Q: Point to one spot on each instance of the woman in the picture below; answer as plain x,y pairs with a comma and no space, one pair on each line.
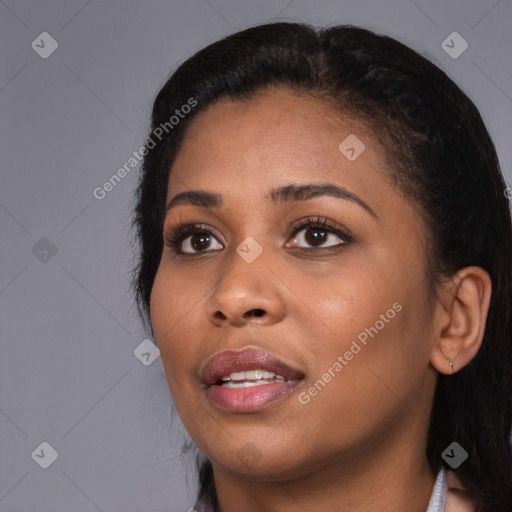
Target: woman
325,265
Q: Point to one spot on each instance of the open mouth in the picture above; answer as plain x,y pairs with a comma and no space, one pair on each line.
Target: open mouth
247,380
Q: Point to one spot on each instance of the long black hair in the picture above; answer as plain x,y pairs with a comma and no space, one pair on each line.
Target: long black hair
442,159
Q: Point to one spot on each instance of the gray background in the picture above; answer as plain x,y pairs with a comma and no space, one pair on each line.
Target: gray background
68,373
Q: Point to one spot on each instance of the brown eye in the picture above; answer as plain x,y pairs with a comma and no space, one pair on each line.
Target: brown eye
315,236
200,241
318,237
191,239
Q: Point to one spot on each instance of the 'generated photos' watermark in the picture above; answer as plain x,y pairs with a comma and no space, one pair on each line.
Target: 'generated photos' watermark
137,156
356,347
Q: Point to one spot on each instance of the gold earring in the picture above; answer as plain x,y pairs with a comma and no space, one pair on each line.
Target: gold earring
451,367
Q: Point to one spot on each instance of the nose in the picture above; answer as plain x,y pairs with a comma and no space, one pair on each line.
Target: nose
245,293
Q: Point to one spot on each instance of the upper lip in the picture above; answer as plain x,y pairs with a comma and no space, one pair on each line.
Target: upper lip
229,361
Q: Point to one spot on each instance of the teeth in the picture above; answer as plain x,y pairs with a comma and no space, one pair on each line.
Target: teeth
245,384
252,375
237,376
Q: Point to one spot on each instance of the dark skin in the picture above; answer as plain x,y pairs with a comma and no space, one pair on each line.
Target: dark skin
359,444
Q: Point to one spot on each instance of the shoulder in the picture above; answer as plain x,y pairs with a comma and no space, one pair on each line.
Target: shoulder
458,498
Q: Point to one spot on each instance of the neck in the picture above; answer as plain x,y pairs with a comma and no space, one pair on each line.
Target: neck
391,477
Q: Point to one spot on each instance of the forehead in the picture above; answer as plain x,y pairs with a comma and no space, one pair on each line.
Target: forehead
274,137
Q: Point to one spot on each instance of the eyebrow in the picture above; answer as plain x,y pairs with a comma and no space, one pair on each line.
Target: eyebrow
283,194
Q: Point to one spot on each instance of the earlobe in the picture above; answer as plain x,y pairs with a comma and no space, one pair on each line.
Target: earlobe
459,319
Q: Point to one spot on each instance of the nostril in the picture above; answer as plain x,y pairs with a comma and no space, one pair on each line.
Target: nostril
257,312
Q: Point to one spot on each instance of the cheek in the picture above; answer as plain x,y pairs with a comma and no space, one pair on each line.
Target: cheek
173,316
360,382
173,310
348,304
378,329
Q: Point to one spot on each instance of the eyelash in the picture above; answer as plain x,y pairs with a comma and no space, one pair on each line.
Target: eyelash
175,235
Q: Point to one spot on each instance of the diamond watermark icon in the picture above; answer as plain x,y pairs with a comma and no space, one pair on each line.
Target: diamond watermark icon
249,249
249,454
352,147
45,455
44,45
454,45
454,455
44,249
146,352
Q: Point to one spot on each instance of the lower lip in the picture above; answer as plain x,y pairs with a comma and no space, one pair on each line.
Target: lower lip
249,399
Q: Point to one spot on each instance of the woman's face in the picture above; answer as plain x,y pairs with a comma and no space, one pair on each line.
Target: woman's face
343,305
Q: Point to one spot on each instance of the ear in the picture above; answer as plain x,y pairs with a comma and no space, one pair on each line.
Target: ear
460,317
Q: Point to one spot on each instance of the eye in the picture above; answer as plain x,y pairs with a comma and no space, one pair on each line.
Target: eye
191,239
318,233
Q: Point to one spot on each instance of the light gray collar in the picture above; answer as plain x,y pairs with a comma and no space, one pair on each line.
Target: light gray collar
437,499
